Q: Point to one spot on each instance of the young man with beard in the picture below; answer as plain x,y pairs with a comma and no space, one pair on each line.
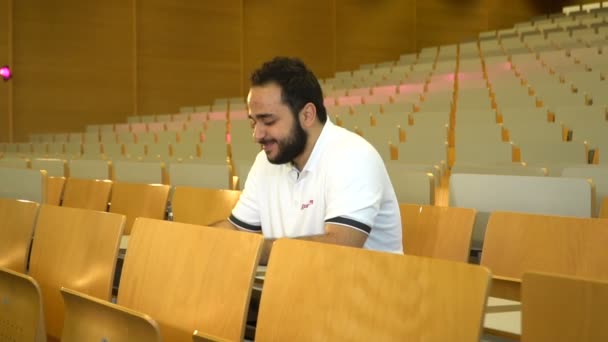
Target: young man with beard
313,180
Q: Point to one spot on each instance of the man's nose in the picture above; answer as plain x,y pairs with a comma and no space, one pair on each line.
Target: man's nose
258,132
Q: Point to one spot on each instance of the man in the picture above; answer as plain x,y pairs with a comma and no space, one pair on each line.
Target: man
313,180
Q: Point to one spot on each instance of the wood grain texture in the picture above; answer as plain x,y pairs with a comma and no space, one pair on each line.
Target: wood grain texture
516,242
562,308
604,208
301,28
190,277
16,229
437,232
75,248
21,317
5,16
91,319
74,64
447,22
188,53
93,194
373,31
79,63
202,206
138,200
365,295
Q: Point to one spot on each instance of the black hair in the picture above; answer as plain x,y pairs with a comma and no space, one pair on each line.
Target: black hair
298,84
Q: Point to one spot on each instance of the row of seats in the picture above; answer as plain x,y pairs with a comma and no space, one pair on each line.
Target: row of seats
149,239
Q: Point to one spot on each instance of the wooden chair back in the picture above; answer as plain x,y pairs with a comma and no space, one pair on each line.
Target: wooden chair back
91,319
563,308
75,248
516,243
93,194
190,277
16,230
139,200
21,317
368,296
604,208
54,190
437,232
201,205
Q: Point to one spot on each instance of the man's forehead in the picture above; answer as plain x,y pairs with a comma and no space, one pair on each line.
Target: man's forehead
268,93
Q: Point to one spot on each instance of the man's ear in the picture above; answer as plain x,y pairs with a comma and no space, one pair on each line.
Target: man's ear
308,115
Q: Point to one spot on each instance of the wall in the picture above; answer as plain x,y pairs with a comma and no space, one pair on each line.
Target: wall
188,52
97,61
72,64
303,28
5,18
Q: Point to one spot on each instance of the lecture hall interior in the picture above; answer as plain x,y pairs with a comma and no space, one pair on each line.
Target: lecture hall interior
125,134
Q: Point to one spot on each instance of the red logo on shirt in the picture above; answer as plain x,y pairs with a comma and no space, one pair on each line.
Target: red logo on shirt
304,206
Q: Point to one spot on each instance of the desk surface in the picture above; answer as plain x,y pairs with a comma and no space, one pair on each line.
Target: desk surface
503,316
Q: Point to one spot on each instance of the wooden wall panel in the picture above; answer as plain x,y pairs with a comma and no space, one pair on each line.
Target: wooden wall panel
72,64
188,53
373,31
303,28
97,61
5,18
440,22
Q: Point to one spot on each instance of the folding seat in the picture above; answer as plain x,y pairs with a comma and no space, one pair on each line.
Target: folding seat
274,320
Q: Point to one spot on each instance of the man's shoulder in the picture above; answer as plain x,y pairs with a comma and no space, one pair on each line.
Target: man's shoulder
349,145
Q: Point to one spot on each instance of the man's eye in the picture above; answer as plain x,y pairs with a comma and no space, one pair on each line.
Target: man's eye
269,123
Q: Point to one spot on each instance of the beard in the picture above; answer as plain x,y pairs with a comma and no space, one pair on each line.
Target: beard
290,147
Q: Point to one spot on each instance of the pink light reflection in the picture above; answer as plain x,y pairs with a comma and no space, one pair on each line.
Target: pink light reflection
5,72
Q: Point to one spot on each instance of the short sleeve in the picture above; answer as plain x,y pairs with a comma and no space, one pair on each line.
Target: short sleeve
354,189
246,213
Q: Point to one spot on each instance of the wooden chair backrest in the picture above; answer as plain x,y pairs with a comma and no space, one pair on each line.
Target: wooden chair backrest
563,308
368,296
54,190
21,317
93,194
604,208
537,195
91,319
190,277
437,232
139,200
516,243
201,205
16,230
25,184
75,248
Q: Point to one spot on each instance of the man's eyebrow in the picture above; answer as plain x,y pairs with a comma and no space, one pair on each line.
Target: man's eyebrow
260,116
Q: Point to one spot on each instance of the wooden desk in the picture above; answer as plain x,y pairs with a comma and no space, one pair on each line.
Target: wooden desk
503,318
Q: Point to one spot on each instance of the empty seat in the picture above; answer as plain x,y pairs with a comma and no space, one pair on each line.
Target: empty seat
16,230
516,243
193,291
329,311
21,315
563,308
70,243
542,195
202,206
437,232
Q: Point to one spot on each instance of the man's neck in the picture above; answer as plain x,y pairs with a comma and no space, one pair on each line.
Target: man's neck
300,161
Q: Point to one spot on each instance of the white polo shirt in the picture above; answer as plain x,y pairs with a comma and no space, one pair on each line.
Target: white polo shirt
344,182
